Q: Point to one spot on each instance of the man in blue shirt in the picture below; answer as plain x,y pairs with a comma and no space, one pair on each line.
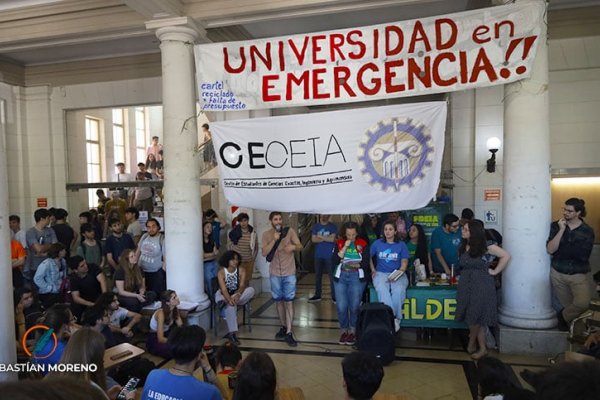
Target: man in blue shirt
178,382
444,245
323,236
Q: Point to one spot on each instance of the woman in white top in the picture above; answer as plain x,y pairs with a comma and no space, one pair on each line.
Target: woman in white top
232,291
161,322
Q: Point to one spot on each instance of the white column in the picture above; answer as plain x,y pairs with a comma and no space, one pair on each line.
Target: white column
8,352
525,283
183,227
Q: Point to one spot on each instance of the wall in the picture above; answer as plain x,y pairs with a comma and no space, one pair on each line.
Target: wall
476,115
574,118
37,141
574,139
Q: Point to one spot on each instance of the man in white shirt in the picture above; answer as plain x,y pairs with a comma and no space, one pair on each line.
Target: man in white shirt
16,233
122,176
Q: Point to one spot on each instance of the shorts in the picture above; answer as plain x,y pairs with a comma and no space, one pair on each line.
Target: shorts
283,288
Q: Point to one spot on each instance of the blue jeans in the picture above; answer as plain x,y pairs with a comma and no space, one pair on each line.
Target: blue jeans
283,288
348,294
210,272
321,265
391,293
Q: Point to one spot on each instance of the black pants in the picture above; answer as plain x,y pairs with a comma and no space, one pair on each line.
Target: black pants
156,281
133,304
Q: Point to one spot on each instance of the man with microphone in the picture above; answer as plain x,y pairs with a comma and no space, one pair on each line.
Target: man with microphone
278,246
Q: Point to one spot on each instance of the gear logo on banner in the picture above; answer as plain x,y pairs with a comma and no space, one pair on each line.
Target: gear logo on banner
396,154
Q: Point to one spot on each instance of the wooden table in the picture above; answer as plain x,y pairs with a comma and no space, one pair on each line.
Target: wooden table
118,354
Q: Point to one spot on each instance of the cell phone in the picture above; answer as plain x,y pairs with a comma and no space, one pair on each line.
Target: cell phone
128,388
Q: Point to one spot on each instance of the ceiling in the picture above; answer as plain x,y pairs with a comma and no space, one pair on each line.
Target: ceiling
40,32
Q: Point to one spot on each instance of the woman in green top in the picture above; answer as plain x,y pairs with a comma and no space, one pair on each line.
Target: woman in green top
418,247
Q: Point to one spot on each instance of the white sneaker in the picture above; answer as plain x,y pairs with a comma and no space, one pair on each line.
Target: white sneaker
396,324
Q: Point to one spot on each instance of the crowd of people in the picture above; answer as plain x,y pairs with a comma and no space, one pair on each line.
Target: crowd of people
63,279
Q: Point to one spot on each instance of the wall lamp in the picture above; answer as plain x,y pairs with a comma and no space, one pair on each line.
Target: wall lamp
493,144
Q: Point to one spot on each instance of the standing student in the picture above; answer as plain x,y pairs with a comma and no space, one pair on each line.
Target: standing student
476,294
444,245
38,238
210,252
151,257
323,237
390,255
244,240
279,244
351,260
48,276
570,243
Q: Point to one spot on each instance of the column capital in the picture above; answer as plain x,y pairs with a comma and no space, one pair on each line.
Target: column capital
183,29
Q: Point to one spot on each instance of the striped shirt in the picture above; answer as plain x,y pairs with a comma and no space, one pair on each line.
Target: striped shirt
243,246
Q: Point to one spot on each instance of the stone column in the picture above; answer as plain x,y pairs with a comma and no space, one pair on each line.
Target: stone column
182,206
527,201
8,353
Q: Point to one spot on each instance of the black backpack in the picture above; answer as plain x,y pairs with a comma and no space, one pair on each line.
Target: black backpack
375,331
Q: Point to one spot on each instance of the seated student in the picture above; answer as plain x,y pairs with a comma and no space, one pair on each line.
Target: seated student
26,314
497,381
122,321
87,284
97,319
59,319
161,322
229,358
363,374
26,304
178,382
86,347
49,274
232,291
257,380
131,284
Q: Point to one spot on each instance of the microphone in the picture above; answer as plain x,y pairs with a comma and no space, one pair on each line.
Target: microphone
278,228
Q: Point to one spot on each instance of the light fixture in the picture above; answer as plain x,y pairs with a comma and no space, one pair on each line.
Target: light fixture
493,144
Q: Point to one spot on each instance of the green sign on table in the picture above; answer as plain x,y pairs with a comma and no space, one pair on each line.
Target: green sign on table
428,307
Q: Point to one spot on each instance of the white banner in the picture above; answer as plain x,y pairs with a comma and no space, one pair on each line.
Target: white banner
353,161
484,47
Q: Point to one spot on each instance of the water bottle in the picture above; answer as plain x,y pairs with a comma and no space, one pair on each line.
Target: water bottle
452,277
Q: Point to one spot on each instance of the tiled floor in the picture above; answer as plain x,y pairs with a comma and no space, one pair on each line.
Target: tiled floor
423,369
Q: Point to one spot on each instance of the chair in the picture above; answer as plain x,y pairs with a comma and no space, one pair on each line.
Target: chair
215,314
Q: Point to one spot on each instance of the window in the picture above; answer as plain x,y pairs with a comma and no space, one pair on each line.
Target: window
92,147
119,136
140,134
